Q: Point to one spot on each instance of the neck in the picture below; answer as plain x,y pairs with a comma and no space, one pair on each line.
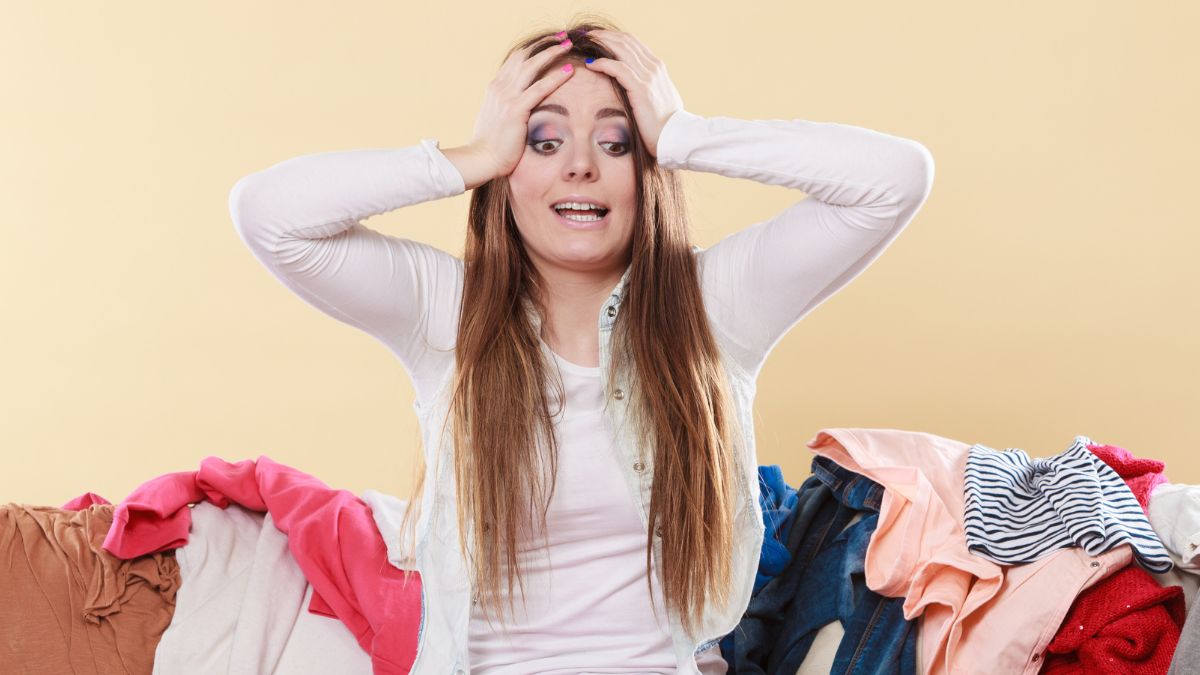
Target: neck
573,303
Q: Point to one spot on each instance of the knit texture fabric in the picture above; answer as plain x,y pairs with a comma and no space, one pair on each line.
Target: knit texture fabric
1141,475
1126,624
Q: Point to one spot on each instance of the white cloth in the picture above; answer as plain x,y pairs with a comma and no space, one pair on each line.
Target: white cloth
1175,515
388,513
321,644
242,605
1174,512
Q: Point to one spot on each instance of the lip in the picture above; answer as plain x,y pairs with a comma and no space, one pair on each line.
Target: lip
576,225
579,198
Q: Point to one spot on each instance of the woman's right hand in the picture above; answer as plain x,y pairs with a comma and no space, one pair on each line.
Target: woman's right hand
502,128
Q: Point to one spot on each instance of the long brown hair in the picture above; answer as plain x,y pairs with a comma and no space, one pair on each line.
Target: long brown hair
505,449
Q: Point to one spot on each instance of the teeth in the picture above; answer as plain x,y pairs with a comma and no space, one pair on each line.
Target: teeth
577,206
589,218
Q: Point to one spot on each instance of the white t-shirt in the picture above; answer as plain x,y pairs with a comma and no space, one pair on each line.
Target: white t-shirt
301,218
586,602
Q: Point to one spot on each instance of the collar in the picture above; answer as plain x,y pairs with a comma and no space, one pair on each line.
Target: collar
618,291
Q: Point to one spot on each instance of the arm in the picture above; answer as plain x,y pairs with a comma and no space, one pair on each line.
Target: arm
301,219
863,187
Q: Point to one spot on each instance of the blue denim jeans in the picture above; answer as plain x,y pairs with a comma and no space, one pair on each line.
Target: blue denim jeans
824,582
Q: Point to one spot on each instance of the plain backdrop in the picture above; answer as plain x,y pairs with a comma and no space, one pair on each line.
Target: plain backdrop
1047,289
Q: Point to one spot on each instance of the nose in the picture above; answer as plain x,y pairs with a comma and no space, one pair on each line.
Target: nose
581,164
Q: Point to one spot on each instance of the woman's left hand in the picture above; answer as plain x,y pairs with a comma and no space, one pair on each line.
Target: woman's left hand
651,93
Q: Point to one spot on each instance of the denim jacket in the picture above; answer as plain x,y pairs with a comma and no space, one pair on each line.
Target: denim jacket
446,584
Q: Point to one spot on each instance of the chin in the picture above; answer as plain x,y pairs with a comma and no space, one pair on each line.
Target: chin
576,249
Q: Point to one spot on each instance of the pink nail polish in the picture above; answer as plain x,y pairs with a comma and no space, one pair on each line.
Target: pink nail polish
568,68
565,43
561,34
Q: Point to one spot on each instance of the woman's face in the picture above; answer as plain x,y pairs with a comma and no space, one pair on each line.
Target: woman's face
578,149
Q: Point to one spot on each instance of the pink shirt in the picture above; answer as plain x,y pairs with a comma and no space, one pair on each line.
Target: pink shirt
331,534
976,616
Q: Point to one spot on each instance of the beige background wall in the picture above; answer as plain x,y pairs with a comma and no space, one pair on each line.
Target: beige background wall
1048,288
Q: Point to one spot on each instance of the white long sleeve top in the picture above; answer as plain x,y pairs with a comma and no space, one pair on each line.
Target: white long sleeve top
588,610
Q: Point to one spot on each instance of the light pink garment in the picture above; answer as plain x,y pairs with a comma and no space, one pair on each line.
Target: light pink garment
976,616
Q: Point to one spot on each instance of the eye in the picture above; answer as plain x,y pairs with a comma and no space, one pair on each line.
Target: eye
539,146
536,142
624,147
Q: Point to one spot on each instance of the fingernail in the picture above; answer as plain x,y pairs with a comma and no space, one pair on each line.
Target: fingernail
560,34
568,68
565,43
589,60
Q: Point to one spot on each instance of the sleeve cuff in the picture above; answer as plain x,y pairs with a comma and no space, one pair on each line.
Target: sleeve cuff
443,171
675,139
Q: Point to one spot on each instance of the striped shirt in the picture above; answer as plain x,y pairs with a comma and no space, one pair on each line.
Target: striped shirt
1019,510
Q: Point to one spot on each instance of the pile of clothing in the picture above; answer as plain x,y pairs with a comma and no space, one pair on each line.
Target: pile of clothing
907,552
250,567
903,552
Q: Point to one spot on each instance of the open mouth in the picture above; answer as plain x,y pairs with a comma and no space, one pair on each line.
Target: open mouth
582,215
582,219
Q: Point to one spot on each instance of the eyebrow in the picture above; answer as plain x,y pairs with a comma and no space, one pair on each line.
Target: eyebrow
600,114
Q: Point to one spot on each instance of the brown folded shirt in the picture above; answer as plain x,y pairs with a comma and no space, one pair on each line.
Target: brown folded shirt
69,606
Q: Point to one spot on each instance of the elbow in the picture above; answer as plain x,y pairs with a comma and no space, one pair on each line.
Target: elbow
241,203
253,220
251,213
915,175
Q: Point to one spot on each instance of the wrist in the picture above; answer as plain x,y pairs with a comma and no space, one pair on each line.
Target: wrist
475,166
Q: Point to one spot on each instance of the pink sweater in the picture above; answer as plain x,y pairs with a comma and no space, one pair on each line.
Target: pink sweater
331,534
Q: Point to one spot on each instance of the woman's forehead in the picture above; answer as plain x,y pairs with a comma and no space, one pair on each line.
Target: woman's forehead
599,111
585,92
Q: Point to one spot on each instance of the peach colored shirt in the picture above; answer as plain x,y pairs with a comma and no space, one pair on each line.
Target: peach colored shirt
976,616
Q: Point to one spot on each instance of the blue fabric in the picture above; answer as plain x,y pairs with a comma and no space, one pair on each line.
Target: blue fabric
824,582
777,499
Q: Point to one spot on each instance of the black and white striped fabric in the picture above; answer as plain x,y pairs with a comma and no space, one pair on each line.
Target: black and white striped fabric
1019,510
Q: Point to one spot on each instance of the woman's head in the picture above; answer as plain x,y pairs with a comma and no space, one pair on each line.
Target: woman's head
580,148
582,141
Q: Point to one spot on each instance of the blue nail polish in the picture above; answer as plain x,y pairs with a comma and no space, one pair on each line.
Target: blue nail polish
589,59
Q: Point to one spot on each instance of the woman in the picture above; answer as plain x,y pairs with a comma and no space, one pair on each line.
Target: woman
584,375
